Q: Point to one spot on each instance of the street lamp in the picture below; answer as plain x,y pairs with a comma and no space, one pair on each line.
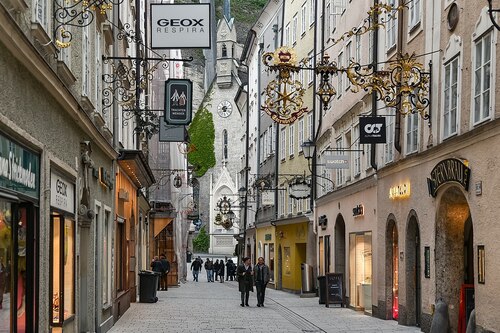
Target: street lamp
492,12
308,147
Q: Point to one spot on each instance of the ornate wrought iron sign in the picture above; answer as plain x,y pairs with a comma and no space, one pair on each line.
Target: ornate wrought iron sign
284,95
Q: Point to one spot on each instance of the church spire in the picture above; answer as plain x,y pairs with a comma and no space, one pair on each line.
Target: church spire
227,10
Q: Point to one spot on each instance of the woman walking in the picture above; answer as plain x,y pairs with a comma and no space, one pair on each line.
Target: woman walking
245,280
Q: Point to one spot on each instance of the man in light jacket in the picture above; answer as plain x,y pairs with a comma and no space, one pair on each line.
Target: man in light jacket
261,278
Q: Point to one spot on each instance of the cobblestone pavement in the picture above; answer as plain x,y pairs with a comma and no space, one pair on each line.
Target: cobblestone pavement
215,307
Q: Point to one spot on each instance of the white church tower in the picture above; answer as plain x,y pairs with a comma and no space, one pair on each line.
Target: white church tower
222,180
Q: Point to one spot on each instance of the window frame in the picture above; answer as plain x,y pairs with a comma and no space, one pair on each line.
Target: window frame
446,127
491,88
412,133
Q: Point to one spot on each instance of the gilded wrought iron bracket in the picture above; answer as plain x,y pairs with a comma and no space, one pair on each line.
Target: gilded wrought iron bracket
492,13
79,14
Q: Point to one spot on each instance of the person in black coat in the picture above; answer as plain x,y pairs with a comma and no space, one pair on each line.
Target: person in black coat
157,267
216,270
245,280
221,271
165,270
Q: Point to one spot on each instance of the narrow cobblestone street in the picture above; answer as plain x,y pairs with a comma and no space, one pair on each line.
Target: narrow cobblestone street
214,307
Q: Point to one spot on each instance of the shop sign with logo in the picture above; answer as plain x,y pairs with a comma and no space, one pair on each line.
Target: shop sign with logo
401,191
267,198
452,170
176,26
359,210
19,168
336,161
372,130
62,193
178,101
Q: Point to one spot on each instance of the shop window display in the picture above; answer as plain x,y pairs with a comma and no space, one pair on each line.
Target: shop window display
63,251
5,264
360,270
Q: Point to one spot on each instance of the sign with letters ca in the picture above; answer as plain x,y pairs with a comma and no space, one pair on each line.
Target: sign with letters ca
372,130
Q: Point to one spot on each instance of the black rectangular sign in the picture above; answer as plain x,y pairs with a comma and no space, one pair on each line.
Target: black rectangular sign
372,130
334,289
178,101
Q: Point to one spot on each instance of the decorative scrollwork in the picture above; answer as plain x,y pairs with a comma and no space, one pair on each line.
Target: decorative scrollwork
404,84
79,14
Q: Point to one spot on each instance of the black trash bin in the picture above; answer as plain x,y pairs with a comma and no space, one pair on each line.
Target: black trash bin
148,283
322,289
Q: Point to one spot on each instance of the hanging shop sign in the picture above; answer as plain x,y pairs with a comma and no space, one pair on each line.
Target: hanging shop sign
176,26
267,198
19,168
372,130
178,101
172,133
359,210
452,170
62,193
401,191
323,222
336,161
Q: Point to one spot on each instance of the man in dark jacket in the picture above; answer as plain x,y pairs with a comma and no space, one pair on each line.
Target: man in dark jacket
261,277
196,268
245,280
157,267
166,269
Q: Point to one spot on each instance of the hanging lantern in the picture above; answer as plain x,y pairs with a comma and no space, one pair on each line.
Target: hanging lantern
177,181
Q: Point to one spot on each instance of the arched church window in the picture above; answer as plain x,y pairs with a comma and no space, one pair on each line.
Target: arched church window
224,51
224,144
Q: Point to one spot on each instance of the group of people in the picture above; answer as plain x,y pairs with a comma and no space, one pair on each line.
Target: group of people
161,266
246,275
216,271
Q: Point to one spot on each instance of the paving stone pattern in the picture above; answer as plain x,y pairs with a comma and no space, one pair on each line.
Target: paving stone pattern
215,307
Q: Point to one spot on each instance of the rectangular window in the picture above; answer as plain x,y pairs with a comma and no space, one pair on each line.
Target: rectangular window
312,13
391,25
303,18
300,205
270,140
291,139
295,28
283,144
63,268
300,134
106,257
412,132
414,13
290,202
340,172
310,135
482,78
310,73
450,120
287,35
261,150
340,89
98,76
357,154
358,49
368,153
273,141
281,207
86,62
389,146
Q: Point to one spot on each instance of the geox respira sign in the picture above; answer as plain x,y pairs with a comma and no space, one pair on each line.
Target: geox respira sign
175,26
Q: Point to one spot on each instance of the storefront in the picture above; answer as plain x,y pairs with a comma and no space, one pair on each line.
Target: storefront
19,216
133,175
62,250
292,247
346,221
265,240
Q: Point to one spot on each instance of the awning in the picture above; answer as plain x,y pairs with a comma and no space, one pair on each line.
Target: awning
135,165
160,224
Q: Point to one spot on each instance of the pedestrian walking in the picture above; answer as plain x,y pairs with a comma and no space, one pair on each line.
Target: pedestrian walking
208,268
245,280
261,276
230,269
165,270
157,267
221,271
216,270
196,268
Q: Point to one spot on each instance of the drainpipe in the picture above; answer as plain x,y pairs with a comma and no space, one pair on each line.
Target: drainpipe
137,72
373,159
399,46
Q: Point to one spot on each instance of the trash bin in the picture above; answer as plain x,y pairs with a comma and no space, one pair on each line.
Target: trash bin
148,283
322,289
307,278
